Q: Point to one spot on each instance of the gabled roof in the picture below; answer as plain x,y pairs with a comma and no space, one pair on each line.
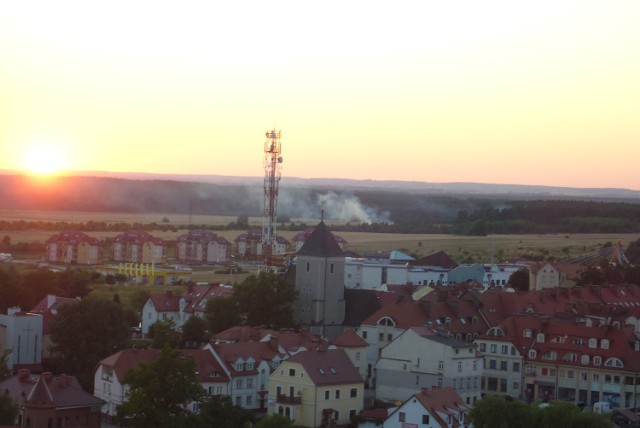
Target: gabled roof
207,367
328,367
202,237
349,339
402,310
72,238
286,340
165,302
321,243
47,390
360,304
230,353
138,237
197,297
441,400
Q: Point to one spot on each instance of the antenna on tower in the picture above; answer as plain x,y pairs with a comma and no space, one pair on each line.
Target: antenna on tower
272,163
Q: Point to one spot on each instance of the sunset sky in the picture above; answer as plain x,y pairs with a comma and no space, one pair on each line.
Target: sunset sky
539,92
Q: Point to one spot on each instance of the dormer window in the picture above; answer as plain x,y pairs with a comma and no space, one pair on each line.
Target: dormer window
614,362
532,354
527,333
540,338
584,359
593,343
604,344
597,360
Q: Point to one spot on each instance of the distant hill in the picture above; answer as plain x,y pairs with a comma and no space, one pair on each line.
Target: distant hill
352,200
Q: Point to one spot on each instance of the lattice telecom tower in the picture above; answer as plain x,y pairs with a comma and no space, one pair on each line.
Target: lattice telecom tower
272,161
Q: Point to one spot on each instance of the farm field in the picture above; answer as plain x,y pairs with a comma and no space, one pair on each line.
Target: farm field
462,248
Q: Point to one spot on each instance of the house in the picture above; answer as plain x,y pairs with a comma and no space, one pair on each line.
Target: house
45,401
178,308
109,375
317,388
22,333
420,358
249,244
48,308
202,247
248,365
431,408
582,364
319,281
543,275
356,349
73,247
138,247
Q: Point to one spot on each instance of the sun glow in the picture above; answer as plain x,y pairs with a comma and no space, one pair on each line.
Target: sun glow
44,159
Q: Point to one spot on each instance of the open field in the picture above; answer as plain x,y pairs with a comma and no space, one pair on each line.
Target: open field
461,248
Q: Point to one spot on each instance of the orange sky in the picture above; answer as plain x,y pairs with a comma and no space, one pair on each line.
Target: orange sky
544,92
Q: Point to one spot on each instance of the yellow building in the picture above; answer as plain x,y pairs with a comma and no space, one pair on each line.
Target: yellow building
317,388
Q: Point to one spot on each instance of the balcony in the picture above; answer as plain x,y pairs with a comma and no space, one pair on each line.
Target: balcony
288,399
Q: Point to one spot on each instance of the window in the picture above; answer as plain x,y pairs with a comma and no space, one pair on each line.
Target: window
503,366
492,364
248,400
337,394
326,394
364,334
483,347
614,362
292,372
389,337
402,417
532,354
459,366
493,348
527,333
381,337
505,349
331,268
439,382
308,266
354,392
584,359
425,419
597,360
239,383
475,365
352,413
358,356
249,383
440,365
596,377
516,367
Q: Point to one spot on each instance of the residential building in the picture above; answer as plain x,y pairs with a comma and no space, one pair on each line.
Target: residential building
319,281
356,349
543,275
249,244
22,333
317,388
420,358
431,408
73,247
178,308
202,247
138,247
109,383
45,401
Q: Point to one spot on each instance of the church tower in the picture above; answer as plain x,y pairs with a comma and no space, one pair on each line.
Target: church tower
319,282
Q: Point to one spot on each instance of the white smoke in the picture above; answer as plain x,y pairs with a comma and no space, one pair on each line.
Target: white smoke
299,203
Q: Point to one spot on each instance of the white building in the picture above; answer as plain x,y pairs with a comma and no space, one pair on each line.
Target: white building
22,333
420,358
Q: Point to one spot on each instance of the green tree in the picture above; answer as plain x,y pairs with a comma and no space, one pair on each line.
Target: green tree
160,392
266,299
218,411
519,280
86,332
221,314
164,334
5,371
8,411
275,421
194,332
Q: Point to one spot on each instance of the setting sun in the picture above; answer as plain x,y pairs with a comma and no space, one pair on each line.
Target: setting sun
44,159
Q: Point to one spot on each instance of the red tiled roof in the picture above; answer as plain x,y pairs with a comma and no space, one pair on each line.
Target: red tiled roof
403,310
165,302
63,391
349,339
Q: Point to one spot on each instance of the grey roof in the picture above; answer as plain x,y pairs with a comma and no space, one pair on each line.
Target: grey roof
321,243
328,367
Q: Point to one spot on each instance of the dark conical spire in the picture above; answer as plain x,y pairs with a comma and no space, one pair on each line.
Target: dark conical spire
321,243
